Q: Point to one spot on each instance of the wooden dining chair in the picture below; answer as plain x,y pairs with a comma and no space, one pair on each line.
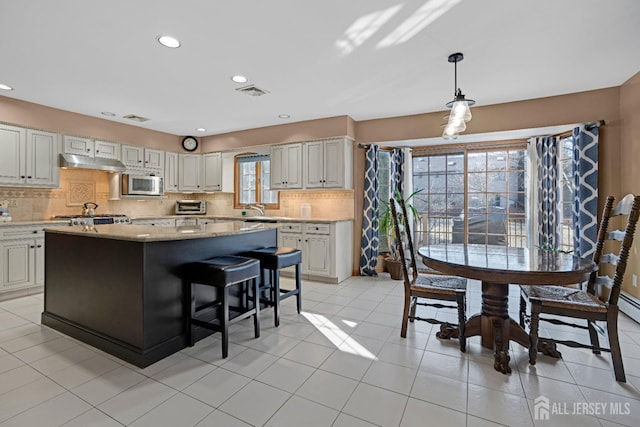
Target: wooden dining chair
585,304
419,287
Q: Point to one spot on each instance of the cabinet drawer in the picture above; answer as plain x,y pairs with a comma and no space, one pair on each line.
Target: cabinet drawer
21,232
317,228
291,227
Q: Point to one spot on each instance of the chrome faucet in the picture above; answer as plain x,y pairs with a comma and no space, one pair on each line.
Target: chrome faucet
259,208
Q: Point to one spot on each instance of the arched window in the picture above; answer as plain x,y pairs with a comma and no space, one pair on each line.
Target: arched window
252,181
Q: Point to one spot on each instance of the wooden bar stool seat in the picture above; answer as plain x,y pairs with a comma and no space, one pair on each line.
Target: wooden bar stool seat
273,259
222,273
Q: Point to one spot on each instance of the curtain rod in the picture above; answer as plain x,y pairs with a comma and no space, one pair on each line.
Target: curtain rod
365,146
595,124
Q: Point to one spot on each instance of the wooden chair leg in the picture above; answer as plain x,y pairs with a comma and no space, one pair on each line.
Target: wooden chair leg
614,344
462,319
593,334
523,310
405,316
533,334
412,312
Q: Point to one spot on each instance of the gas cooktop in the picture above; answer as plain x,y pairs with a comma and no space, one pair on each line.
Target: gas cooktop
96,219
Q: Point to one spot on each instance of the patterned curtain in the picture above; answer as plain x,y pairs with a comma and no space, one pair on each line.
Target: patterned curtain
369,246
585,177
397,172
549,215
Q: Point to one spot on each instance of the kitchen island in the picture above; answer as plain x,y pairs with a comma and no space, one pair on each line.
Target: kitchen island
119,287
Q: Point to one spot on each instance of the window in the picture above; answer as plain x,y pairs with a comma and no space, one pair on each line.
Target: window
565,166
384,192
252,181
473,196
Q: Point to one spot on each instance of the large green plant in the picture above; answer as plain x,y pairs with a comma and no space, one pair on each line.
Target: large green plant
386,221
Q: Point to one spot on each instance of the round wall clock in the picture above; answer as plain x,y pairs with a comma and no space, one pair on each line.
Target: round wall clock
189,143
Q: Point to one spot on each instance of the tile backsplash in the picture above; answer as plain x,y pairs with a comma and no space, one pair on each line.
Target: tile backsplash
78,186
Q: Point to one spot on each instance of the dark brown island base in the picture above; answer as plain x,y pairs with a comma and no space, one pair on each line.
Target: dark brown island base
119,287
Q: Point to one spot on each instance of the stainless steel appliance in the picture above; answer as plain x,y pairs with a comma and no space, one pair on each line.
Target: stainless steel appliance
191,207
96,219
142,185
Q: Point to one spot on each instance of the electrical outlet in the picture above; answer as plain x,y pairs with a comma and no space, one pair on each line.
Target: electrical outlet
13,203
634,280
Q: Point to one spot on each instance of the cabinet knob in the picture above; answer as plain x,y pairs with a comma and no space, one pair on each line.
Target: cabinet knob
35,231
32,246
29,177
139,161
39,246
88,149
97,151
22,176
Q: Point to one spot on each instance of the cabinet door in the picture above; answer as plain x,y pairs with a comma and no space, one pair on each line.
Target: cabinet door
333,164
16,263
278,166
212,174
292,240
154,159
318,254
42,158
189,173
12,155
107,150
171,172
132,156
294,163
313,164
78,145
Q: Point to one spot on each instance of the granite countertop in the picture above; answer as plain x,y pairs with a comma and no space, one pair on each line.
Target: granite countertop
34,222
247,218
148,233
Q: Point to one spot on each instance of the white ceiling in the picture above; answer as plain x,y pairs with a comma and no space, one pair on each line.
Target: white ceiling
317,58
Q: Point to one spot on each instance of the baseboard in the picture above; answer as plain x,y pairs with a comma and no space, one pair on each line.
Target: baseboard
630,306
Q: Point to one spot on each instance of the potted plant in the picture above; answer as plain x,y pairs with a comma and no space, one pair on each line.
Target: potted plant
393,262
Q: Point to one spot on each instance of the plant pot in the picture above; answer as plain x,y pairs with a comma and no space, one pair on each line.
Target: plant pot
380,267
394,267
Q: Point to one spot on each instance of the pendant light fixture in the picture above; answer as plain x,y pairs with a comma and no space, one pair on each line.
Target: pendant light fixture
460,112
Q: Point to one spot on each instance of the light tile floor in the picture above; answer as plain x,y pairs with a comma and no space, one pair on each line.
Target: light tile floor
341,363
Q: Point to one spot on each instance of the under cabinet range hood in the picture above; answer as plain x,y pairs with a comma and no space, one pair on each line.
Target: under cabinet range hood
97,163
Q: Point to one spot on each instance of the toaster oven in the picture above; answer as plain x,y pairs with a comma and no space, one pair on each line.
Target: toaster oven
191,207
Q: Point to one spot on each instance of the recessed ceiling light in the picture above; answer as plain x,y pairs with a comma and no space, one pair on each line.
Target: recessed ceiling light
239,79
107,113
168,41
284,116
201,129
5,87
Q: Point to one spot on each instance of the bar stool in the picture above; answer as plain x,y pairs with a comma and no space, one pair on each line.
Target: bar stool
273,259
222,273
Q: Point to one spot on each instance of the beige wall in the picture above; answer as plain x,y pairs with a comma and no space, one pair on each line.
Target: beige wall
37,116
626,158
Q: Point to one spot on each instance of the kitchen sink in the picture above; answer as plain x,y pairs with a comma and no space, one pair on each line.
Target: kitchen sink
269,219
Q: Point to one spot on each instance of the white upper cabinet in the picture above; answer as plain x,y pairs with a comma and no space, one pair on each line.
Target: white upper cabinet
189,172
328,163
153,159
212,172
78,145
28,157
286,161
170,172
132,156
106,150
42,158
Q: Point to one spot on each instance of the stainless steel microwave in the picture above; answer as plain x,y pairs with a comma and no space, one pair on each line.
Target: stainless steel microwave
142,185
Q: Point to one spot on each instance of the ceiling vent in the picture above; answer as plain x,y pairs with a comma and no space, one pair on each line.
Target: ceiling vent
252,90
135,118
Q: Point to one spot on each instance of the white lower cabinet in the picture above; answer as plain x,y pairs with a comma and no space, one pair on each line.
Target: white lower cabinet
158,222
326,248
21,260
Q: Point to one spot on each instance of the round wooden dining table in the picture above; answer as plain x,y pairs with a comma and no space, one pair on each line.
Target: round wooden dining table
497,267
